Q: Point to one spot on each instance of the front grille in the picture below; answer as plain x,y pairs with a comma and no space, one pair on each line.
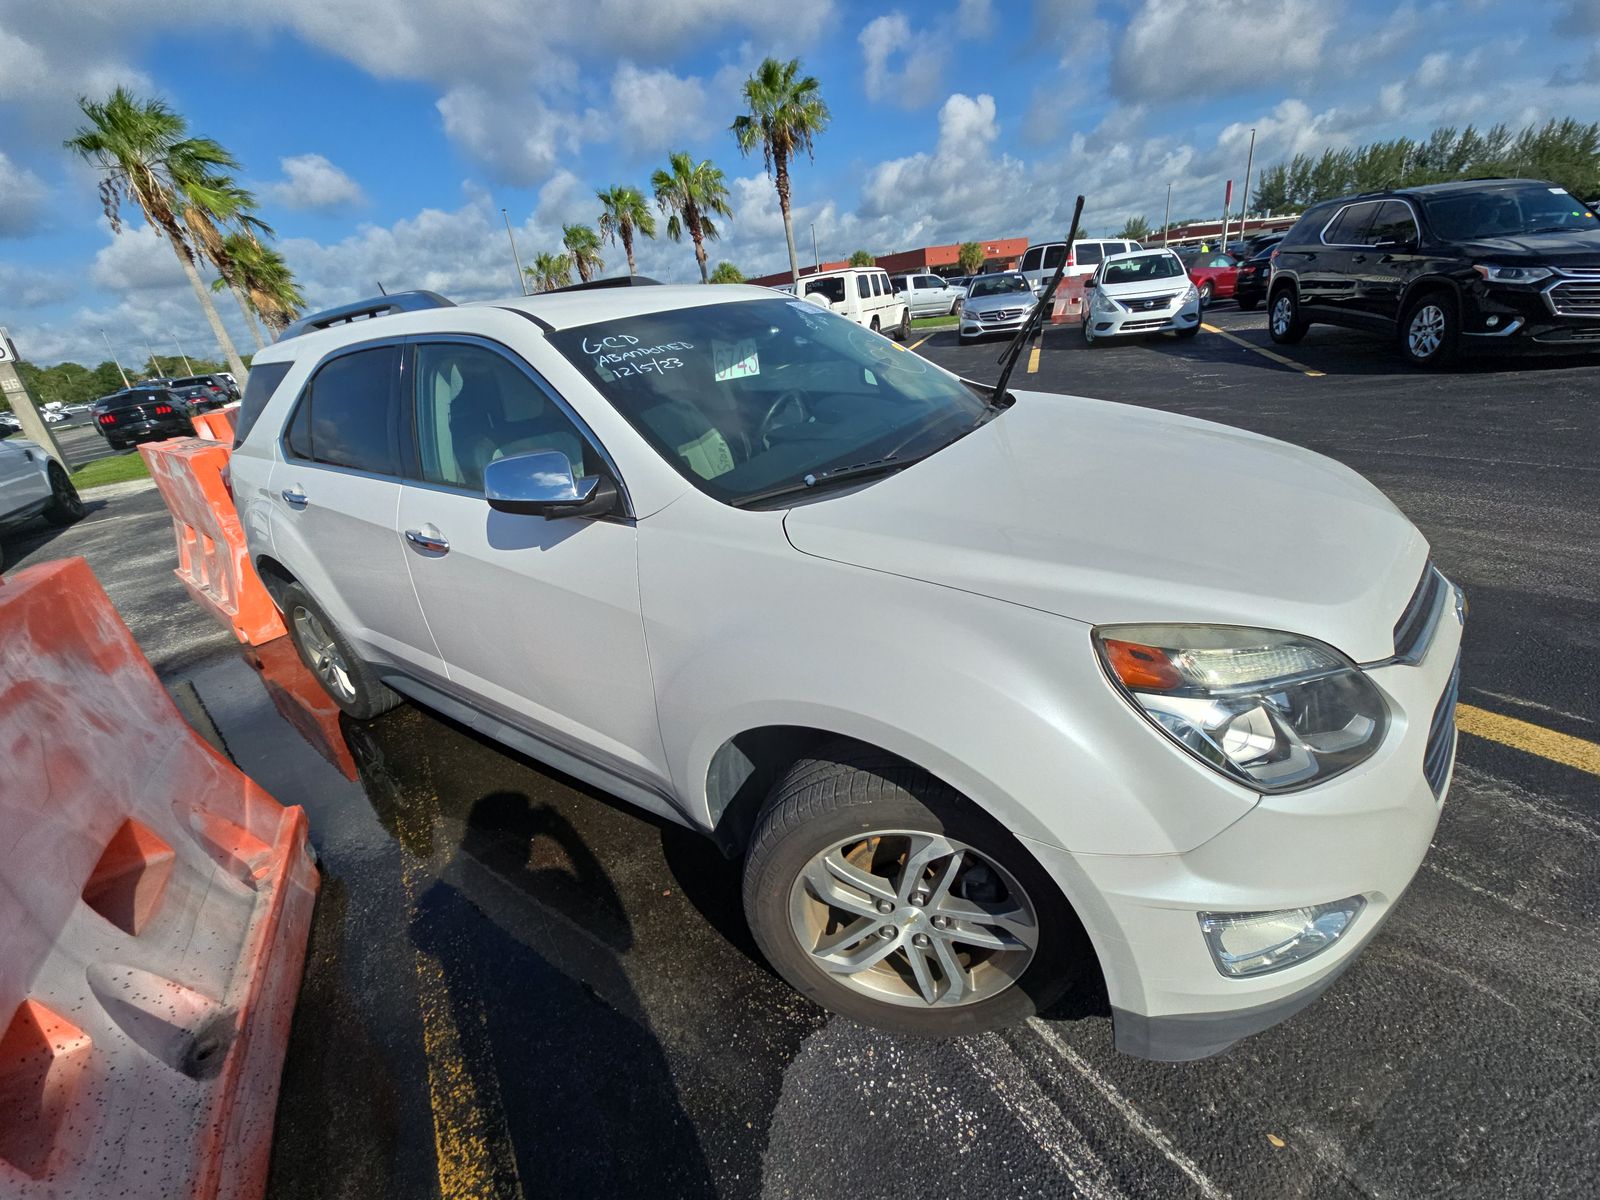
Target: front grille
1149,303
1136,326
1441,751
1001,314
1416,622
1576,298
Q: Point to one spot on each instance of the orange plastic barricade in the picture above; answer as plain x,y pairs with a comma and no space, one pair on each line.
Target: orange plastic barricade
216,425
213,562
303,702
1068,307
154,909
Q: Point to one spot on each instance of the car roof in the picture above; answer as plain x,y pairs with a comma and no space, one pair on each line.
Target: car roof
1148,250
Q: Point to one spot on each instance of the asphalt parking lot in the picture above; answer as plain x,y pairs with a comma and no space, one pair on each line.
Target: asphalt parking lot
517,986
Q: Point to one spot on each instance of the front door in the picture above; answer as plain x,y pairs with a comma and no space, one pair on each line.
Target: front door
20,480
537,620
1390,261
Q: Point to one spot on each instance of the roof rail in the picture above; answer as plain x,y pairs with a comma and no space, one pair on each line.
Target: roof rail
375,306
614,282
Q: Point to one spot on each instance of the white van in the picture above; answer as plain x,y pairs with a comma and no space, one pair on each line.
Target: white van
1040,261
863,295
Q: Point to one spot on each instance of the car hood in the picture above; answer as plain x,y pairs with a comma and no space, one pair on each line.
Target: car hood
1006,300
1575,248
1145,287
1107,513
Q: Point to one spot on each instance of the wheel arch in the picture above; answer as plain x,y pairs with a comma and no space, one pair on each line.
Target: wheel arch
1425,285
274,576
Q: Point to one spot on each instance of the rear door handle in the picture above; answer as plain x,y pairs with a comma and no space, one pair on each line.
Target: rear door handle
294,496
1358,258
428,538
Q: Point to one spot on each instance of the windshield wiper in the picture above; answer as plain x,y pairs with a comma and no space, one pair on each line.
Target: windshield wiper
824,479
1556,229
1008,359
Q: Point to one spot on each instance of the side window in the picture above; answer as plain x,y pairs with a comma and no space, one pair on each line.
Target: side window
1054,256
1030,260
1089,253
264,380
475,405
863,286
1393,223
900,283
830,288
1349,228
347,414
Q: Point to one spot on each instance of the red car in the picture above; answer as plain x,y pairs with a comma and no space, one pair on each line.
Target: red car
1214,274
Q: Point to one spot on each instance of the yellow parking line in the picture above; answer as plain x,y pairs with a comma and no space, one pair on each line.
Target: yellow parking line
1529,738
1033,359
1265,353
919,342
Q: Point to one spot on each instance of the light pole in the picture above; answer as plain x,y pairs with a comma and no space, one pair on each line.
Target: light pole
522,280
155,367
814,253
1166,221
115,359
188,367
1244,205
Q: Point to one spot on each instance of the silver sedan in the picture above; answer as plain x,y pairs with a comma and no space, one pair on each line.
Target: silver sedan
995,303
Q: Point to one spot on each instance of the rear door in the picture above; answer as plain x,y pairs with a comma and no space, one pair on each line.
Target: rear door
1330,279
334,495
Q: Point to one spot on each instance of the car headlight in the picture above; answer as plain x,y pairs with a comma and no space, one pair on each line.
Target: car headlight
1495,273
1190,293
1271,710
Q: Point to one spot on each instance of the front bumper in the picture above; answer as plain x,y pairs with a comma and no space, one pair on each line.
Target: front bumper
1510,319
976,326
1363,833
1119,322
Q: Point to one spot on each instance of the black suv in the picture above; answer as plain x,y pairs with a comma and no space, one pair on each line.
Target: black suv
142,414
1450,268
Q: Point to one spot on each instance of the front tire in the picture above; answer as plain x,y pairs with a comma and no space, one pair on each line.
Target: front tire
1430,332
1284,323
883,895
351,683
1207,290
66,506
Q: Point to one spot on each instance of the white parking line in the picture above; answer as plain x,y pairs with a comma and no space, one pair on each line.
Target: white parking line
1135,1119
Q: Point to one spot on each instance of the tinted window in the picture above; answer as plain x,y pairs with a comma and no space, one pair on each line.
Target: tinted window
1144,267
1507,211
1393,223
258,389
900,282
129,399
350,405
863,285
1054,256
1030,260
1349,228
1088,253
830,289
998,285
474,406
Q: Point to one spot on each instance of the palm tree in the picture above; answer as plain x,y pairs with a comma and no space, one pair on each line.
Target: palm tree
146,159
258,274
550,271
583,247
690,193
786,113
209,204
624,211
726,272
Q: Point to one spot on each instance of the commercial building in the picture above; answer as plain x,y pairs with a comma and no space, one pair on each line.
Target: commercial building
999,254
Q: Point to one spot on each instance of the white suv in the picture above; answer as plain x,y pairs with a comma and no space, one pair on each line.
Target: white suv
863,295
981,718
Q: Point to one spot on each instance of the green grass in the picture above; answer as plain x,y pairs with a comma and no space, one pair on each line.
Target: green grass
934,322
116,469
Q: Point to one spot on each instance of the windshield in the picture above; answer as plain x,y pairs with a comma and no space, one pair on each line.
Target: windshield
745,397
1143,269
196,381
1507,212
998,285
128,399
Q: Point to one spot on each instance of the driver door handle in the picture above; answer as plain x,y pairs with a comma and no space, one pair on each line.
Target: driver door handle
294,496
428,538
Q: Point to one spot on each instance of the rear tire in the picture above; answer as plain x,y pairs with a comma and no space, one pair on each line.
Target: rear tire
1284,323
1187,334
903,333
351,683
874,326
66,506
865,812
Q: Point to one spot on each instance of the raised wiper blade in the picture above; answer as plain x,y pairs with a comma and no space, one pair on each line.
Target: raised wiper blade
810,483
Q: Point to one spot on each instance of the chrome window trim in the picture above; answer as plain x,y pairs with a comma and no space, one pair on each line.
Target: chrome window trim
282,440
1322,234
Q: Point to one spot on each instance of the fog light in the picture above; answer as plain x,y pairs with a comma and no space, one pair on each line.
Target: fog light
1256,943
1492,322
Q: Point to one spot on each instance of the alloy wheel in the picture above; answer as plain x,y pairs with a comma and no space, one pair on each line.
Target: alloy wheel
914,919
1282,315
326,661
1426,333
65,495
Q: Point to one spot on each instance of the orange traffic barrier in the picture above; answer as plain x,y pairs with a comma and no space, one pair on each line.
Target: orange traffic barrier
1068,307
216,425
154,909
213,561
302,702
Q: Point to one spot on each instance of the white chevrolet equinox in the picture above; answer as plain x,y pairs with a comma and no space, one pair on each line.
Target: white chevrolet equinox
991,694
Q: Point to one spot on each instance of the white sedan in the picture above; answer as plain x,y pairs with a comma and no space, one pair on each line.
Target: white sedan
1147,291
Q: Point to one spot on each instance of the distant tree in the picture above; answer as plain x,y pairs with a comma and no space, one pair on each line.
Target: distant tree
863,258
690,193
583,247
786,113
970,258
624,212
726,272
1135,229
549,271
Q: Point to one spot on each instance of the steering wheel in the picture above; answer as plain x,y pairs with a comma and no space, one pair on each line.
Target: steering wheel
792,398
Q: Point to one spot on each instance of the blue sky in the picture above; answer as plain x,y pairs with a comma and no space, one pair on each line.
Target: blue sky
383,139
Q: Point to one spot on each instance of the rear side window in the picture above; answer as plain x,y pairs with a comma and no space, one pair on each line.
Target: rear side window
347,414
1089,253
1394,223
1030,260
863,286
1349,228
258,389
1054,256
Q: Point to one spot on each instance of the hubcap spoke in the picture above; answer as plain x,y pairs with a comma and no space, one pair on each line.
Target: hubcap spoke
927,986
925,851
844,938
976,925
955,975
873,951
837,882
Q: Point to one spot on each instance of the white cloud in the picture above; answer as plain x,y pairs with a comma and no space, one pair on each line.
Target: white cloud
28,287
904,66
655,107
1167,51
22,199
137,260
311,181
975,18
521,141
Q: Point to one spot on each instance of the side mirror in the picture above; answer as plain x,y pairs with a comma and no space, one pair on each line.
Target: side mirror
1087,284
541,485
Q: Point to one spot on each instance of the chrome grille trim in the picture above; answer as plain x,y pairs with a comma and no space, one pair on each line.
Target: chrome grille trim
1441,749
1414,630
1575,298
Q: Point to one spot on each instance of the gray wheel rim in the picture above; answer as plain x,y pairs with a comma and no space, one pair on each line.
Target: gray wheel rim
1281,309
326,661
1426,333
914,919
